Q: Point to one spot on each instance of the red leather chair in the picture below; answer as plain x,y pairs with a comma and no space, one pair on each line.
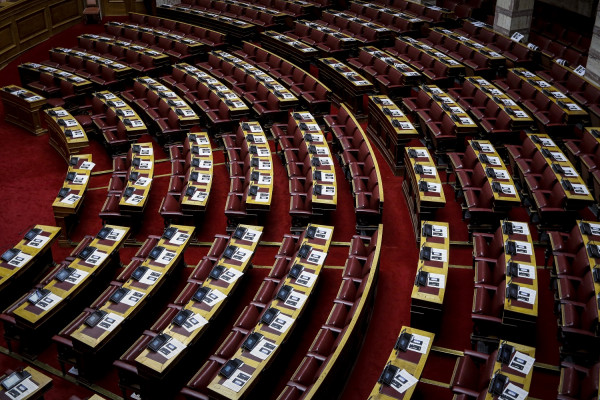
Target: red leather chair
578,382
472,373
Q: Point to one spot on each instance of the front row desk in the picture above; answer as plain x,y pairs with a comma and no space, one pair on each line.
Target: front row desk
24,384
37,312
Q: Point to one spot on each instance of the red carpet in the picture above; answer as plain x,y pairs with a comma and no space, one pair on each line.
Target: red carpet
32,172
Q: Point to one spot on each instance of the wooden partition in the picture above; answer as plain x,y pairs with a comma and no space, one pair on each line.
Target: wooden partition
25,23
121,7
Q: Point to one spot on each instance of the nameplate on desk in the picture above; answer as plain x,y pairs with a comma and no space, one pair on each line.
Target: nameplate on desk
402,381
87,165
20,259
60,113
263,349
136,123
456,110
49,301
327,177
202,140
262,152
558,95
205,164
38,241
508,189
521,362
500,173
437,281
71,199
513,392
75,134
68,123
187,112
237,381
325,161
419,343
22,389
543,84
421,153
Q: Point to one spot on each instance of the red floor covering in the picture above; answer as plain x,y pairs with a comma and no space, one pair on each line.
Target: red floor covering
31,173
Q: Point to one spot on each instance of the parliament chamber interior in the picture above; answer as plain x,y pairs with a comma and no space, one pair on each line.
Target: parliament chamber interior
193,199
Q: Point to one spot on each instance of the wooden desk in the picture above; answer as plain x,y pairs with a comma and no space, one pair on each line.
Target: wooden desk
427,300
411,362
276,333
67,136
465,126
234,28
455,68
382,33
67,205
590,240
519,118
495,59
194,46
31,388
521,313
324,173
415,23
134,125
31,72
185,115
22,108
348,85
237,107
263,166
580,196
574,112
88,341
155,365
422,204
410,77
159,58
516,377
121,70
201,164
33,257
286,98
296,51
140,187
496,171
347,42
390,129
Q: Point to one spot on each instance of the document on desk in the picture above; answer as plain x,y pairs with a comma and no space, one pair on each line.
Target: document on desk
520,228
419,343
316,257
263,349
323,233
524,248
76,276
150,277
97,257
513,392
525,271
87,165
171,348
24,389
71,199
20,259
241,254
199,195
38,241
115,234
521,362
237,380
49,301
440,255
80,179
439,231
166,256
526,295
230,275
214,297
194,322
306,279
296,299
132,298
580,189
403,380
135,199
436,280
179,238
281,323
110,322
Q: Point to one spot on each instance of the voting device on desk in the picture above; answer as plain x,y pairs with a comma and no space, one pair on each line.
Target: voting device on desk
498,383
403,341
387,376
251,341
14,379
